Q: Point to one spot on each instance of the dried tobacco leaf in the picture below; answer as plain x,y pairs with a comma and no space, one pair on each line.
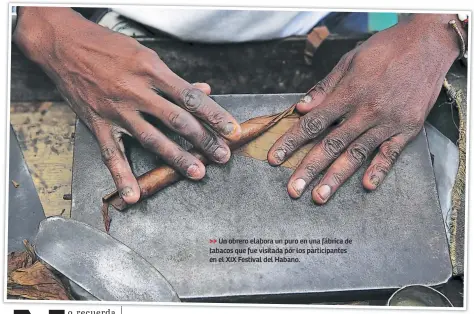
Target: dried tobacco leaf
161,177
36,282
22,259
259,147
18,260
106,217
28,278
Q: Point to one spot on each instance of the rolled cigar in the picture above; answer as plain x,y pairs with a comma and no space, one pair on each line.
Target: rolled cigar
163,176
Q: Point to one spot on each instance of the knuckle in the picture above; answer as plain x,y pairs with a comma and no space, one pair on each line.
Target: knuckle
113,95
122,115
332,147
147,140
214,118
337,178
390,152
208,142
108,153
364,56
290,143
192,98
323,86
327,83
178,121
311,125
312,169
380,169
152,54
114,108
179,159
358,153
102,106
146,60
345,60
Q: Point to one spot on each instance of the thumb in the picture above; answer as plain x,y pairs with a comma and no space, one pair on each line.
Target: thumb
318,92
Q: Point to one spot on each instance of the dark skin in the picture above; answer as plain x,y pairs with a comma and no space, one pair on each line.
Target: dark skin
379,96
109,79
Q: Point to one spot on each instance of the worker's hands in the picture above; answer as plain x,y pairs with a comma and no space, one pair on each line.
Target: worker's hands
110,79
378,96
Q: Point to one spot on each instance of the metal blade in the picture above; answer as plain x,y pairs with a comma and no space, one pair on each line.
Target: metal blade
99,264
25,211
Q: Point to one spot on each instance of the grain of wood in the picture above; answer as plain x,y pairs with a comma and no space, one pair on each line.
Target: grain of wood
44,131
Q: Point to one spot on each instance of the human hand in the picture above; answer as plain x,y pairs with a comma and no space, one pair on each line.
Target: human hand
378,96
110,79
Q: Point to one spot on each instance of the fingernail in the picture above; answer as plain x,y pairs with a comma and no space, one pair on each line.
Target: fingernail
229,128
220,153
279,155
324,191
306,99
375,180
298,185
126,191
193,171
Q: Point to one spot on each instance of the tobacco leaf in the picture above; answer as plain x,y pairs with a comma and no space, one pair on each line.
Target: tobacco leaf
28,278
259,147
22,259
18,260
105,216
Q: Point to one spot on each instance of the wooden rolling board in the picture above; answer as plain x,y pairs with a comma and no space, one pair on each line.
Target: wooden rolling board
45,131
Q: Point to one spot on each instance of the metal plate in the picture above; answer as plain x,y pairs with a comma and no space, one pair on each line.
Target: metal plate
25,211
397,232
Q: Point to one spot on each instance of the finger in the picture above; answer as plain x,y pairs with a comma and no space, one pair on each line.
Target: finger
185,124
348,163
114,158
383,161
316,95
307,128
323,154
171,153
206,88
195,101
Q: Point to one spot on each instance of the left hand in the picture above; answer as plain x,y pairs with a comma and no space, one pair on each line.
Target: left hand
380,93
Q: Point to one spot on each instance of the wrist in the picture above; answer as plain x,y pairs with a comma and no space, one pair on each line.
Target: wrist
38,29
437,35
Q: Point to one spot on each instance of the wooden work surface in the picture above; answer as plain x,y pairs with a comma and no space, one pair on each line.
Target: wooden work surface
45,131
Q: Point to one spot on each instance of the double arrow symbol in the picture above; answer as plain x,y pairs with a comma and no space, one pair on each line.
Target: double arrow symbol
212,241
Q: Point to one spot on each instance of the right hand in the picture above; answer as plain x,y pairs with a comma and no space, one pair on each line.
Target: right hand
109,79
